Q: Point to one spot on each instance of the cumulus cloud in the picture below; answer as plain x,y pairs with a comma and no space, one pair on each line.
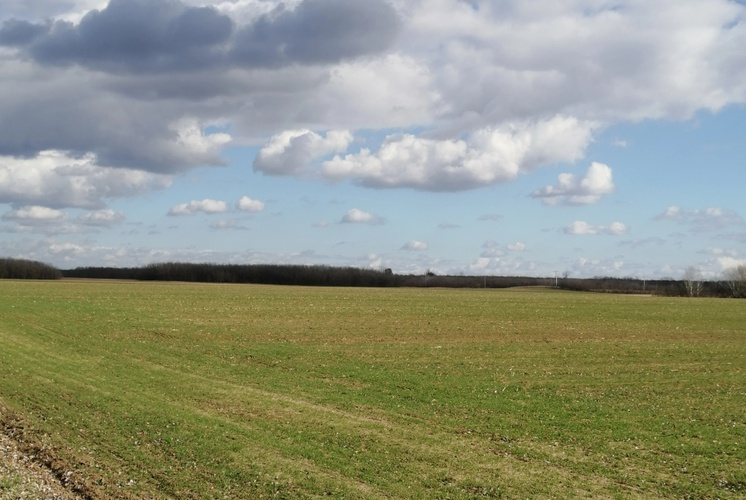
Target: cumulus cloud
114,70
109,100
227,224
59,179
19,32
246,204
580,227
137,35
357,216
158,135
518,246
729,262
572,190
608,61
317,32
145,79
51,221
39,219
105,217
207,206
488,156
35,214
495,250
160,35
287,152
415,246
67,251
398,91
597,267
210,206
715,251
702,220
495,259
498,266
192,141
643,242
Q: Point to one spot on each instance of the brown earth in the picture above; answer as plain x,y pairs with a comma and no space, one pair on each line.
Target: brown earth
22,477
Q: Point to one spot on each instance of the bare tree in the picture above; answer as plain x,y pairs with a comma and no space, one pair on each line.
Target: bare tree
735,280
692,281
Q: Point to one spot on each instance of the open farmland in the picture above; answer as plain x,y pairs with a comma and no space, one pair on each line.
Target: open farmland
181,390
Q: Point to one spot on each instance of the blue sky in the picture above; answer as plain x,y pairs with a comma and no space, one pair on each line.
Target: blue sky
591,138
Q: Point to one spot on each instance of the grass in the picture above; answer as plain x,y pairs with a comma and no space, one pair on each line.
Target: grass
10,483
212,391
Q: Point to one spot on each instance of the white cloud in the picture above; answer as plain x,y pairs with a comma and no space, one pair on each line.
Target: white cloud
68,255
289,151
488,156
720,252
571,190
357,216
35,214
207,206
66,250
457,70
59,179
518,246
375,261
49,221
617,228
191,140
226,224
247,204
467,88
105,217
395,90
584,267
728,262
610,61
499,265
580,227
415,246
702,220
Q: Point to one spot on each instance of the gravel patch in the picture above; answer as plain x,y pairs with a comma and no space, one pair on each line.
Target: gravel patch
22,478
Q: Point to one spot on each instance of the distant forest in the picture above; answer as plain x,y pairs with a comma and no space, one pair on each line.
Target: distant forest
22,269
319,275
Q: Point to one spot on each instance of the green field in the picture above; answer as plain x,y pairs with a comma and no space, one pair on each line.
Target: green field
200,391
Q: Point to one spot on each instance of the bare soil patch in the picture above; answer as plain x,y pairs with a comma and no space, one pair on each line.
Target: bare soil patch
21,477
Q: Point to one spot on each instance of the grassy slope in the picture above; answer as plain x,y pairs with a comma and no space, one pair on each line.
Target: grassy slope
231,390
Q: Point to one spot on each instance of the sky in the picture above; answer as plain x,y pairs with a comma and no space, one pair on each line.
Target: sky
505,137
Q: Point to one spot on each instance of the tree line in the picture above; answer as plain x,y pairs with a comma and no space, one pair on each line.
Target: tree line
294,274
270,274
22,269
732,284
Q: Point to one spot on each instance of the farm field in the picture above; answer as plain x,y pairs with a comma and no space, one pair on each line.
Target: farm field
174,390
